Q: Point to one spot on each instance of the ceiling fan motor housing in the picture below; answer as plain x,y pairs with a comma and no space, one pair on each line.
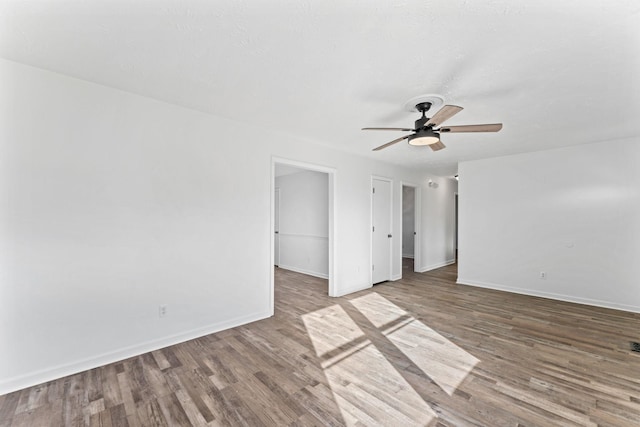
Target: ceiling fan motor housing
424,135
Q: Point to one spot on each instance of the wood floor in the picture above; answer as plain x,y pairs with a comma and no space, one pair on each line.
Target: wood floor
420,351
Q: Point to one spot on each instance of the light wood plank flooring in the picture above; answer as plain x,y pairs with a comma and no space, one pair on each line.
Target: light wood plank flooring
420,351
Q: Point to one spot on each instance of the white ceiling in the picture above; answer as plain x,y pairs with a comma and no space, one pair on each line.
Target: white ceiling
554,72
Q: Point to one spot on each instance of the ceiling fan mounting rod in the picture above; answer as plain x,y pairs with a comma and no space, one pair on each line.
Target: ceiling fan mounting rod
422,121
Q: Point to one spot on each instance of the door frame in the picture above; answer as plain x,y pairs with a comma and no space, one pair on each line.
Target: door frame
456,221
331,202
276,248
417,200
390,181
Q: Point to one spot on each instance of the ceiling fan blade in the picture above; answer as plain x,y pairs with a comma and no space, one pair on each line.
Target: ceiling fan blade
472,128
402,129
391,143
437,146
443,114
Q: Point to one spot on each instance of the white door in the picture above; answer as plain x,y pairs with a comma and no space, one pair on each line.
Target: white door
276,227
381,215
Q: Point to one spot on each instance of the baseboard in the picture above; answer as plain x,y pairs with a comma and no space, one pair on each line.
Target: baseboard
435,266
407,256
303,271
28,380
551,295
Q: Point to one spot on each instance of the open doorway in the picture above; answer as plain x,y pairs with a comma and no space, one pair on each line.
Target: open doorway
455,226
302,219
410,226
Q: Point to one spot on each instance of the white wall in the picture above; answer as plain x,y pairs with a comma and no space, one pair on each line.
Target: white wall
408,221
438,224
112,204
573,213
304,222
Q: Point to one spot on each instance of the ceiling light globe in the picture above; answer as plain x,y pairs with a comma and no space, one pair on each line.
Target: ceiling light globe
421,140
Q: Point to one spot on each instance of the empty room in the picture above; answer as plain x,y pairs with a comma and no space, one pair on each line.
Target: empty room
315,213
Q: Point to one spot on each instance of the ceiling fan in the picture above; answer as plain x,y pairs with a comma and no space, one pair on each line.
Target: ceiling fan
426,131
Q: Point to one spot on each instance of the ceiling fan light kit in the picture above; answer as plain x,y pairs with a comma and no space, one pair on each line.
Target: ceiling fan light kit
426,132
422,138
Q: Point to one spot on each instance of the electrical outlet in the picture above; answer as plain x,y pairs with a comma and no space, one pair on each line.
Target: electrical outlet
162,310
543,275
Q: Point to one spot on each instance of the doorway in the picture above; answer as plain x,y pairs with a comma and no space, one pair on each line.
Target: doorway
302,242
276,227
409,227
455,227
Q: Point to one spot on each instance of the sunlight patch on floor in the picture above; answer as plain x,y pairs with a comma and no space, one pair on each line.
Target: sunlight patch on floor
443,361
366,386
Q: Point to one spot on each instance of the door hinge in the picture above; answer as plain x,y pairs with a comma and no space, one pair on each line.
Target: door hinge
373,228
373,267
374,190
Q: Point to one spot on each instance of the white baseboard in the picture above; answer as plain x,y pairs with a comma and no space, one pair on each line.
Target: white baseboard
550,295
407,256
49,374
434,266
303,271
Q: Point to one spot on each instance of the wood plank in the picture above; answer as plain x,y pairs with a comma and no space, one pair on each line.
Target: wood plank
539,362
